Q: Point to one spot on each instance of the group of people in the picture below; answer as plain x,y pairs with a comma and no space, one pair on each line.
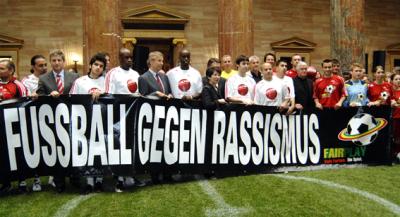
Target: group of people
246,81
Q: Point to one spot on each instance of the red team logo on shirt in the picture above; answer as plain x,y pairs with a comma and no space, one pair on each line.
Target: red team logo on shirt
132,86
271,93
184,85
243,89
92,90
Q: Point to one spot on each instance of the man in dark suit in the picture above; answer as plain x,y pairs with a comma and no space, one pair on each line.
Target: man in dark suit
152,82
55,83
303,87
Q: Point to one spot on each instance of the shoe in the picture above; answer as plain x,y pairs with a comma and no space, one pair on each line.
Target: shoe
87,190
22,187
119,187
138,183
36,186
5,188
129,182
98,187
51,181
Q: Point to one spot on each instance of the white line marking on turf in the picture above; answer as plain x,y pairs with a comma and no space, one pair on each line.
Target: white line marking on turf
389,205
223,209
71,204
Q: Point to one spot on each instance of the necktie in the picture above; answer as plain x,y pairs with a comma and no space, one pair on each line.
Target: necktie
60,86
159,83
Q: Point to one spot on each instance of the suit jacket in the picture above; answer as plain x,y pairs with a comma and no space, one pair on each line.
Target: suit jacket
304,92
209,97
221,85
47,82
148,84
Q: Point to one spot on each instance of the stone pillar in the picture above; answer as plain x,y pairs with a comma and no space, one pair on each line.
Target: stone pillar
101,29
235,27
179,44
347,31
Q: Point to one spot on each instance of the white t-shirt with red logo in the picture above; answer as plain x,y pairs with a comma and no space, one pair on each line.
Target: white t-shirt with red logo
31,83
271,93
86,85
121,81
184,82
288,81
241,87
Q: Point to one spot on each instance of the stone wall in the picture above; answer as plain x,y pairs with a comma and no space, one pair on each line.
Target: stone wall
49,24
43,25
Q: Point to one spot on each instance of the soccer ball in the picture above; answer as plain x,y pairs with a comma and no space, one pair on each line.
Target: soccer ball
330,88
359,124
384,95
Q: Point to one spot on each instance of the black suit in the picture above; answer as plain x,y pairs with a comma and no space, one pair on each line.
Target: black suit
304,92
221,85
47,83
148,84
210,96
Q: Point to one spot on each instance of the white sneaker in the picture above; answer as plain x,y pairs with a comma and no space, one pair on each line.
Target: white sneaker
51,181
129,181
36,186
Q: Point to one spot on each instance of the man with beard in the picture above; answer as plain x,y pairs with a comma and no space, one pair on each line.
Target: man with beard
184,80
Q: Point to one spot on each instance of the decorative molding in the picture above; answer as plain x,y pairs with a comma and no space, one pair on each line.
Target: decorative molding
132,40
176,41
154,14
293,44
393,48
10,42
149,33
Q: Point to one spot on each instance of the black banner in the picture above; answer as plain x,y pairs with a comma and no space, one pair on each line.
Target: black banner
127,135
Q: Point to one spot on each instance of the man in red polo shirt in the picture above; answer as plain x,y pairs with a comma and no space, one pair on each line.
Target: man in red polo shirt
329,90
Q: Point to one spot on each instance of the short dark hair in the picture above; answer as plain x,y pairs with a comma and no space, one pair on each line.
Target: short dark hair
269,54
210,71
335,61
241,58
212,60
326,61
98,57
34,58
279,62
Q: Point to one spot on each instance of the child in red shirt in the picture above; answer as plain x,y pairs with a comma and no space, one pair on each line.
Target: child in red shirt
379,91
395,103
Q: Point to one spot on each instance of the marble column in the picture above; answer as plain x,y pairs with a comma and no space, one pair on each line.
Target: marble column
101,29
179,44
235,27
347,31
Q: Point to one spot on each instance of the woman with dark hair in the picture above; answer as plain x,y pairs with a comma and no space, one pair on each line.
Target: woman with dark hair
379,91
210,95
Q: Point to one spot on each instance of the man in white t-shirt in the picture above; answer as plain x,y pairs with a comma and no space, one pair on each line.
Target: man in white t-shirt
281,68
123,79
39,67
185,81
239,88
271,91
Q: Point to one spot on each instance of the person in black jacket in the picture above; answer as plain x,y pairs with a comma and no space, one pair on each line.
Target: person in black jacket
210,95
303,87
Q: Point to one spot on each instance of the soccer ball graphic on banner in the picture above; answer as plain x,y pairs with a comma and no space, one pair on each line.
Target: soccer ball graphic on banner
362,129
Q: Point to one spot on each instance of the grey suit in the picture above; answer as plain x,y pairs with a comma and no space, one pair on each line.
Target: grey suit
47,82
148,84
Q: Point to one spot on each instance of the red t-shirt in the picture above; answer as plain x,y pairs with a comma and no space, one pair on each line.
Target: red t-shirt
329,90
396,96
380,91
12,89
291,73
